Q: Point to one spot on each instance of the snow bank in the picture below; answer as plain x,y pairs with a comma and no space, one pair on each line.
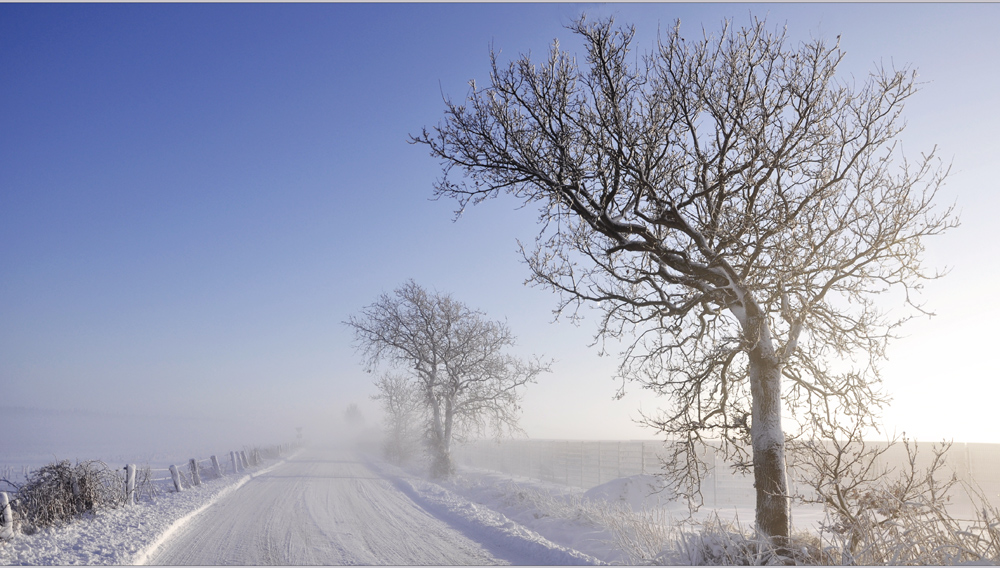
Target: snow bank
503,537
556,512
118,536
624,521
639,492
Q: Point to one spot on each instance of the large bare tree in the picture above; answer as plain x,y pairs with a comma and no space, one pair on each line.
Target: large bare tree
732,208
466,381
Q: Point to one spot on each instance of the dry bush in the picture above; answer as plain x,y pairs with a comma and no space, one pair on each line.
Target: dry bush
270,452
144,484
642,536
882,515
915,532
58,492
717,542
654,537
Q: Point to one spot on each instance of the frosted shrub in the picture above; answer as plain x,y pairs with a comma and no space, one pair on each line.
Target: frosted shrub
917,531
642,536
57,492
878,515
724,543
144,484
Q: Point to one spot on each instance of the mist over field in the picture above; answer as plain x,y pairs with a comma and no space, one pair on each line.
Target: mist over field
44,435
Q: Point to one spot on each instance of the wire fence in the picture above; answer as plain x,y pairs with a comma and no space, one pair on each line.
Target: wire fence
587,464
573,463
129,484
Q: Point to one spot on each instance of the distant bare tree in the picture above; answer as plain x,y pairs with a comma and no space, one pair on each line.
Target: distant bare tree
465,380
353,416
403,409
732,208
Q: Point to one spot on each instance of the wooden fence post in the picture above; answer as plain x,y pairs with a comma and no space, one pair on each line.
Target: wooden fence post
243,456
642,457
598,463
715,479
195,474
968,464
531,461
130,484
6,519
566,461
176,477
236,466
216,466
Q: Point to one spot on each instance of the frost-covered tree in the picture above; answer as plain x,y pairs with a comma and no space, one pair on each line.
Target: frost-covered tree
466,382
731,206
353,417
404,413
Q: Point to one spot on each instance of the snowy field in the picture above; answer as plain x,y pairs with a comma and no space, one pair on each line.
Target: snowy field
624,521
333,506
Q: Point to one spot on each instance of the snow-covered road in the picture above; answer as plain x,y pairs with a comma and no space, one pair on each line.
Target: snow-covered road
322,506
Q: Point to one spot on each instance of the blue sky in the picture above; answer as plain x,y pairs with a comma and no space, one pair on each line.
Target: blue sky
194,197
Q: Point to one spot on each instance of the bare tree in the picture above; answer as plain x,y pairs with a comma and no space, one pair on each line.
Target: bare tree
403,411
465,380
731,207
353,417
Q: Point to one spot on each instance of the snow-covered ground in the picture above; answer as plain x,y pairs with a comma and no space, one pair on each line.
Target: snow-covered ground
120,536
624,521
477,517
148,531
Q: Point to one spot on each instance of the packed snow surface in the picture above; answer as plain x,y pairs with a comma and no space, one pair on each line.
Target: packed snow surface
320,507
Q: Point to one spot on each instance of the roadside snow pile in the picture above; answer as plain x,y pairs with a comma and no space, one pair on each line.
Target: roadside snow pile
502,536
601,522
118,536
631,520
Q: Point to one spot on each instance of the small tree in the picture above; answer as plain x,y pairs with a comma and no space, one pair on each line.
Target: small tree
729,205
466,383
353,417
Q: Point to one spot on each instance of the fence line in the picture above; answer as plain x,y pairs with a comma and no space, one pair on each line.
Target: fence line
180,479
587,464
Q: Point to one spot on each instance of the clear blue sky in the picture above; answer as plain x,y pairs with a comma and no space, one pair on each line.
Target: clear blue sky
194,197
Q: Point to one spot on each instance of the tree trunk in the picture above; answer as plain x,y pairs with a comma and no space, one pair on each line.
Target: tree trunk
449,419
440,461
773,506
